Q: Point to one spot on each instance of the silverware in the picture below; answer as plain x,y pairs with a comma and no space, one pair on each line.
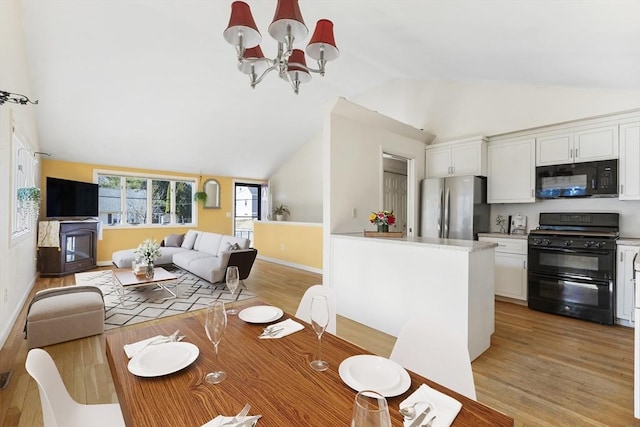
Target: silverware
241,414
430,423
249,421
418,421
409,411
160,340
271,332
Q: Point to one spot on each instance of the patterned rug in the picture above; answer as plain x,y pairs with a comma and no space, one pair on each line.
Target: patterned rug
146,302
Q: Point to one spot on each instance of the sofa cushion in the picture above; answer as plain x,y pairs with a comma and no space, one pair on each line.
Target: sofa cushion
174,240
228,243
184,259
209,243
189,239
209,268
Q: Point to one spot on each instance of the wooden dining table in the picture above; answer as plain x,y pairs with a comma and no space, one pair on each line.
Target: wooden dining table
272,375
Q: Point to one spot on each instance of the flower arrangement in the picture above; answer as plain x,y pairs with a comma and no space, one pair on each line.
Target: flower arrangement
149,251
382,218
500,222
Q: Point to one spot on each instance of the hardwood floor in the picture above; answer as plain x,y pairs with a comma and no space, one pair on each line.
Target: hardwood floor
541,369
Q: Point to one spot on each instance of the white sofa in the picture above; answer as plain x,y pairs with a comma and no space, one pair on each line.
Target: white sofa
202,253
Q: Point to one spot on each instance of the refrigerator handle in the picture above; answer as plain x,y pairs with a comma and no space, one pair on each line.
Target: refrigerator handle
439,214
446,215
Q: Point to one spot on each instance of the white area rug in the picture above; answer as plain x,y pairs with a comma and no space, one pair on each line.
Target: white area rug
146,303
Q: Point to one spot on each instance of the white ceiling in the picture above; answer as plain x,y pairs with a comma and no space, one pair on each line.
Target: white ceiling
152,84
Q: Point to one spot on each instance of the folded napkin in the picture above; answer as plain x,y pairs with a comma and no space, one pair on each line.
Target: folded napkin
288,326
134,348
221,420
444,407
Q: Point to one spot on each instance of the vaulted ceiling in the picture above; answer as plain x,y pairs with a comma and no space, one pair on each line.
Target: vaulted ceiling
152,83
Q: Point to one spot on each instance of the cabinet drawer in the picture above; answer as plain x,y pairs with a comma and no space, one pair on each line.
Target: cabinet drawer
512,246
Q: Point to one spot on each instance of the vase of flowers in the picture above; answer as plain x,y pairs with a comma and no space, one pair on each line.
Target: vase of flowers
148,252
382,219
500,222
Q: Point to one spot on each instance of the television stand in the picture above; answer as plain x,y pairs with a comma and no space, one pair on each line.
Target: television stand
77,251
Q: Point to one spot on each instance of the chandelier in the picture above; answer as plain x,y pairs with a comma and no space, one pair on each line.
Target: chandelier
287,28
14,98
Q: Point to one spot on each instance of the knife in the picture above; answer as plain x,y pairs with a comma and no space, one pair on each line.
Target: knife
420,417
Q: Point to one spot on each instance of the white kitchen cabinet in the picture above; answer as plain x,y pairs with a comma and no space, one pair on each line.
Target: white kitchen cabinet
624,282
456,158
511,171
629,162
510,266
582,145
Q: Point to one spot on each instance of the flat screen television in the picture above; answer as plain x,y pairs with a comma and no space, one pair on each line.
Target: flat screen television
66,198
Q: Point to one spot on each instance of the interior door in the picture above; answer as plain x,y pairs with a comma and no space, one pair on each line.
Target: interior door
395,198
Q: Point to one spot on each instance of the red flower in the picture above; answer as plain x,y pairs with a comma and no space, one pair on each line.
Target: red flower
391,219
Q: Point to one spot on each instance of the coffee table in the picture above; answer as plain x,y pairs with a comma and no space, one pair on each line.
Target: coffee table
124,278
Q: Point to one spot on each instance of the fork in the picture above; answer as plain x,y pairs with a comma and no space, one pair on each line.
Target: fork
271,332
430,423
171,338
241,414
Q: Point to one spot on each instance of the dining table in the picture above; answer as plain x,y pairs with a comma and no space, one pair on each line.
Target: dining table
272,375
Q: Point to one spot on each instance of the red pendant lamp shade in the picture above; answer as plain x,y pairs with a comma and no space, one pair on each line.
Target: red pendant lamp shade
288,15
295,60
241,22
253,56
323,39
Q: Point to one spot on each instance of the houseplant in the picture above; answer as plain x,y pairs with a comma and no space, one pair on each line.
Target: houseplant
200,196
280,212
382,219
148,252
29,203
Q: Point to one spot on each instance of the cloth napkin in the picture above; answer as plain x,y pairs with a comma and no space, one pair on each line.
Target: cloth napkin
288,326
221,420
133,348
444,407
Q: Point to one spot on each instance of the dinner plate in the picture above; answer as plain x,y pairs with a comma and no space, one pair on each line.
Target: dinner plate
369,372
162,359
260,314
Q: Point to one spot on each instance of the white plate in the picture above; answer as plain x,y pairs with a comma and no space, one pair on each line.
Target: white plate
369,372
260,314
163,359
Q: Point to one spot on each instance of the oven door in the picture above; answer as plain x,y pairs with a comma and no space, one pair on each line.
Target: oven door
579,263
584,299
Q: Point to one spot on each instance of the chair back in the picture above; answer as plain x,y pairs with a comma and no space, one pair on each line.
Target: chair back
304,307
426,349
243,259
54,398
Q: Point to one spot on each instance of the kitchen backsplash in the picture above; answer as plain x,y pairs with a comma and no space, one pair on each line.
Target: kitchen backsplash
629,211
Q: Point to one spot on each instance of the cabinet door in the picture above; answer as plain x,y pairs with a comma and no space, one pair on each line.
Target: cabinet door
465,160
438,163
511,172
624,282
596,144
511,276
554,149
629,163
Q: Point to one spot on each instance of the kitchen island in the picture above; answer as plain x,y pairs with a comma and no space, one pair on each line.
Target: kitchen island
382,282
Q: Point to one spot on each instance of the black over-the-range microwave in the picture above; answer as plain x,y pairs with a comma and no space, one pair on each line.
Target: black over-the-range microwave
588,179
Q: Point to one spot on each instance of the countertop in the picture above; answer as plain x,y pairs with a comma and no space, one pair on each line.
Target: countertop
504,235
628,241
447,244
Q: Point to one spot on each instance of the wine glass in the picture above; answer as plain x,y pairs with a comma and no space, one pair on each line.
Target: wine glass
370,410
215,324
319,322
233,280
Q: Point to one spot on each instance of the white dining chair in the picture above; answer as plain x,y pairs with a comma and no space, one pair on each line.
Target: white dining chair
58,407
426,349
304,308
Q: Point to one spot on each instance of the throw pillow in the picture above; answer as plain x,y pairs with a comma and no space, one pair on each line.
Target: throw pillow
234,247
174,240
189,239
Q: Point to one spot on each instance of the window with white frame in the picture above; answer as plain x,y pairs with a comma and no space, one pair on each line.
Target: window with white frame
23,170
133,199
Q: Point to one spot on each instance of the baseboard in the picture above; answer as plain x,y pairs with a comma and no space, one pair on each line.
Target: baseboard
4,333
291,264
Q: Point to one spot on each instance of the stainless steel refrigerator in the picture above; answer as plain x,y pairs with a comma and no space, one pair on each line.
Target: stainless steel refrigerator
454,207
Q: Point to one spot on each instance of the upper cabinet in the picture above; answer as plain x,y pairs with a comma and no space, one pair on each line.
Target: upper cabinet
455,158
629,163
580,145
511,171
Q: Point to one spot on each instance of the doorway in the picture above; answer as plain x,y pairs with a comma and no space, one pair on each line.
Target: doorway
395,189
247,208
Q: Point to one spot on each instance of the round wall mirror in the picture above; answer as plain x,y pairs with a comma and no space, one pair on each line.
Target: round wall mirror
212,188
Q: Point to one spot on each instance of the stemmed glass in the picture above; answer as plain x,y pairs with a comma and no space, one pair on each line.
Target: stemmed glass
319,322
233,280
215,324
370,410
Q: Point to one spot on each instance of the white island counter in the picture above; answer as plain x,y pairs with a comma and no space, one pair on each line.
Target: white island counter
382,282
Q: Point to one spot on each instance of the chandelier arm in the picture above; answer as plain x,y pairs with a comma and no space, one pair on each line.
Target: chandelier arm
15,98
254,82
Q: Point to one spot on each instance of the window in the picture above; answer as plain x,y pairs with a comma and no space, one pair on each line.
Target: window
145,200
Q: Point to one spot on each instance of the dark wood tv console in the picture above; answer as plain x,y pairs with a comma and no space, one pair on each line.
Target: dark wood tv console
77,251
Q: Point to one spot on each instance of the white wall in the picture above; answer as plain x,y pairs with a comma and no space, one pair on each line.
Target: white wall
298,183
17,258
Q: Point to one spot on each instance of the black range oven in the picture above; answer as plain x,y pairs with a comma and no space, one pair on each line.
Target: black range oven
572,265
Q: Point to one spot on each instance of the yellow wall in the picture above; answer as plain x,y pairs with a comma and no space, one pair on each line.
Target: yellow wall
292,242
113,239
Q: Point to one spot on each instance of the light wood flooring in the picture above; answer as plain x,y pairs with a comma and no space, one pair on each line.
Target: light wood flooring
541,369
